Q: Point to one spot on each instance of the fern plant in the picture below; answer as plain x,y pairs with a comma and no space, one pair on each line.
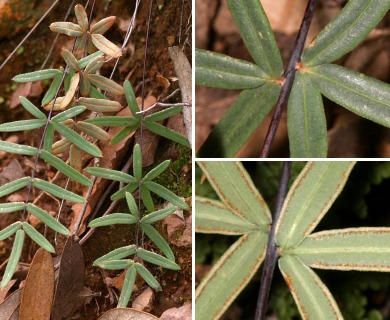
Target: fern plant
309,75
63,117
286,238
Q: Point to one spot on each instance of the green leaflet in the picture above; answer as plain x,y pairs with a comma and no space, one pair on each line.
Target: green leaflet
243,117
131,204
47,219
237,191
113,121
77,140
110,174
365,96
312,297
167,133
38,238
163,114
147,199
137,162
114,218
11,207
155,172
49,137
147,276
57,191
83,62
127,288
105,84
115,264
18,148
158,215
256,32
309,198
22,125
221,71
121,192
363,249
306,120
13,258
131,100
95,93
65,168
229,275
124,133
166,194
36,75
15,185
51,92
156,259
10,230
68,114
345,31
31,108
94,65
158,240
214,217
117,254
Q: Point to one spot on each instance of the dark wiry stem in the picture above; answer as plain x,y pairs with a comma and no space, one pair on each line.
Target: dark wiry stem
289,76
142,122
271,255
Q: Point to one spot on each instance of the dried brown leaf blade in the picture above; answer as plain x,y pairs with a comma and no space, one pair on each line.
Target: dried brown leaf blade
106,46
39,288
68,28
127,314
9,308
103,25
70,281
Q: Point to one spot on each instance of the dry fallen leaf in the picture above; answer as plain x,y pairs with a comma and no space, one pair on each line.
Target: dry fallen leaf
127,314
38,291
29,89
144,301
182,313
4,291
9,308
11,172
70,281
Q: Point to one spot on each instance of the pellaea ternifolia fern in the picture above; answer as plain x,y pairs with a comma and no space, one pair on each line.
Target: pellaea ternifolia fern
144,183
67,116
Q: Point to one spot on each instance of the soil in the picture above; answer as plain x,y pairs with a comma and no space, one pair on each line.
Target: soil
170,22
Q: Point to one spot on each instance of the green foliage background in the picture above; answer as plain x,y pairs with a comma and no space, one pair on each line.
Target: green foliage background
363,202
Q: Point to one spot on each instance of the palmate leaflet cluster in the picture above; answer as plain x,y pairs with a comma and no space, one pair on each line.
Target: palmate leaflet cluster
82,87
242,211
316,76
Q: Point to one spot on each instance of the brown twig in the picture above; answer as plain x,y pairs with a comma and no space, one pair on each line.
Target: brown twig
288,77
271,255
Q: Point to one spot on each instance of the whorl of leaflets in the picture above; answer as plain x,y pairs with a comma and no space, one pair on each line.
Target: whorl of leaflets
93,38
